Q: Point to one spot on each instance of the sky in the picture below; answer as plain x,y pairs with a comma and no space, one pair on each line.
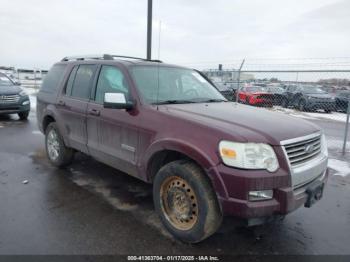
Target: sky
38,33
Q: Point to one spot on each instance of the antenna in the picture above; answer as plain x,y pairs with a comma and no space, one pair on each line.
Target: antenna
160,30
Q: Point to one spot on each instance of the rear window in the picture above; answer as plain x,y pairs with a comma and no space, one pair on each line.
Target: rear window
53,78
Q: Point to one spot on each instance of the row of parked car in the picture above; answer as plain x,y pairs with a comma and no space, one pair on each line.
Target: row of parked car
302,97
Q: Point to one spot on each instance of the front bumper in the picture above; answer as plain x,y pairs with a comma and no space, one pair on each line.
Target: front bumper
285,201
286,197
261,102
314,104
17,107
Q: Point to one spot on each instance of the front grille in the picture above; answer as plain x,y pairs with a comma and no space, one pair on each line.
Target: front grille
303,151
9,98
265,96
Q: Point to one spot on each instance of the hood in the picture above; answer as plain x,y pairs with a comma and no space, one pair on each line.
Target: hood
260,93
244,123
320,95
10,90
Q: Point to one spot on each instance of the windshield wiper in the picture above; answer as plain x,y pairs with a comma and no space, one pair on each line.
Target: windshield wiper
213,100
174,101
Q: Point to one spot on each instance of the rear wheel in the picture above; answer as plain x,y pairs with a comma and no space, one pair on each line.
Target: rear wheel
57,152
23,115
186,202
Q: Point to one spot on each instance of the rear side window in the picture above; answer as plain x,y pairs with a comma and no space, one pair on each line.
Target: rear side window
53,78
71,81
82,81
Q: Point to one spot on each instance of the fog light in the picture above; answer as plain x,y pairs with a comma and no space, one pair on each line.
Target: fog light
25,103
260,195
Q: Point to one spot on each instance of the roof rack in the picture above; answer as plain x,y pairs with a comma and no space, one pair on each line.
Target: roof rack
105,57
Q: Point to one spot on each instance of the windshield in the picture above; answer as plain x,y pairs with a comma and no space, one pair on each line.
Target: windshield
175,85
253,89
312,90
5,81
276,89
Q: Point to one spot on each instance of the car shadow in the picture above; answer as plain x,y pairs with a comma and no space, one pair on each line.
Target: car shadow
129,194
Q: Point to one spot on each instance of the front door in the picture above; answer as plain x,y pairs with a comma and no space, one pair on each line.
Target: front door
112,133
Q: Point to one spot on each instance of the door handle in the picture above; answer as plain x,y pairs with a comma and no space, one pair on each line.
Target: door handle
94,112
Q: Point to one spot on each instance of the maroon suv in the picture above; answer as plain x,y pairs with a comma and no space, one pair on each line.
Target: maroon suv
170,126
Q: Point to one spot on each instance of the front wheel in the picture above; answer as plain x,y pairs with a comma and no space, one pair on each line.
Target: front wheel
23,115
186,202
57,152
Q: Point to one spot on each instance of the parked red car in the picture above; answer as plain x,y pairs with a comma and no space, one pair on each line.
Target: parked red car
255,95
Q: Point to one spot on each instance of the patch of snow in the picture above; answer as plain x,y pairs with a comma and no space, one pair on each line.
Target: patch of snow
334,116
32,102
341,167
333,143
30,90
36,132
302,116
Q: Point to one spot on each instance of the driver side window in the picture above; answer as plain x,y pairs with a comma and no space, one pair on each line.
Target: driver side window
110,80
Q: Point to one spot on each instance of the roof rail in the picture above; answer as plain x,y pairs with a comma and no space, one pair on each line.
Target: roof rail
105,57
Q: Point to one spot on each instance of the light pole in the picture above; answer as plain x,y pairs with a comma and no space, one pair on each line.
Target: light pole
149,30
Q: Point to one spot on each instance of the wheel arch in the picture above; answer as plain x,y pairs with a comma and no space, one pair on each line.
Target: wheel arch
164,152
46,121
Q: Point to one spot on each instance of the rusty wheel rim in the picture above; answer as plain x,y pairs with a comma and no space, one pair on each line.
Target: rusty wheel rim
179,203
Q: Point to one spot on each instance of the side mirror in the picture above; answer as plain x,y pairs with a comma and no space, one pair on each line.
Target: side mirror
117,101
17,83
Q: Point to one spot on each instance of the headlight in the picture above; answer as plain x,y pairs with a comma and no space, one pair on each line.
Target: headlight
248,155
22,93
324,146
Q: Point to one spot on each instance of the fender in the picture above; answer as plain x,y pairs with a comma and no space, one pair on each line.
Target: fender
50,110
189,150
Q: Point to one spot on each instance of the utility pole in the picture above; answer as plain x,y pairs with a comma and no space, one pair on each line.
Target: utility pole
149,30
239,80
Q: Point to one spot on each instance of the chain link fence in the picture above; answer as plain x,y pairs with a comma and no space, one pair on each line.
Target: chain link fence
318,91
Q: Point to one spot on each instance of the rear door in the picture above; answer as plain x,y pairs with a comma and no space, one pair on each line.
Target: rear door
112,133
72,105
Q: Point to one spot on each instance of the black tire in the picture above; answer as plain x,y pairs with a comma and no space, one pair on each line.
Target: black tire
302,105
208,217
65,154
23,115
